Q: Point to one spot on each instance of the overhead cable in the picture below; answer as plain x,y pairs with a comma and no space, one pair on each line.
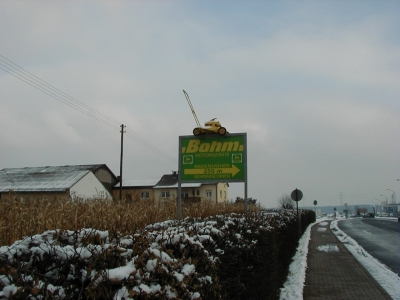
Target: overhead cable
134,136
41,85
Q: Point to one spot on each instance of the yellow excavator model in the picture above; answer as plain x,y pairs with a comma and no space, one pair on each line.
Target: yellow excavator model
211,127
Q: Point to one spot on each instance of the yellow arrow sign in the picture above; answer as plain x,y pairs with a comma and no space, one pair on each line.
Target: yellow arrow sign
232,170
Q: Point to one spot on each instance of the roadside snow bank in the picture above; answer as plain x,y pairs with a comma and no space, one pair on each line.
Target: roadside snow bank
382,274
293,287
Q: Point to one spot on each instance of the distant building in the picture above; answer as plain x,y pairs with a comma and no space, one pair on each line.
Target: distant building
135,190
97,181
166,189
103,174
58,182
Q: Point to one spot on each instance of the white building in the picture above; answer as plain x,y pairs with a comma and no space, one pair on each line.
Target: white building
57,182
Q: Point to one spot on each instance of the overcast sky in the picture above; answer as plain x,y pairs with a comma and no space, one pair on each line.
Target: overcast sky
314,84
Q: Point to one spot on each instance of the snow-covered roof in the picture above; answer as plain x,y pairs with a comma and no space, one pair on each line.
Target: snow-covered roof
170,181
138,183
183,185
41,179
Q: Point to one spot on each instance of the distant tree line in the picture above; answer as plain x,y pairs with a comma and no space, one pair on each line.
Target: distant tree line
249,201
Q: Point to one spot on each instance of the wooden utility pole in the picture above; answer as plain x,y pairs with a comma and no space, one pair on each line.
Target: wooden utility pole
120,164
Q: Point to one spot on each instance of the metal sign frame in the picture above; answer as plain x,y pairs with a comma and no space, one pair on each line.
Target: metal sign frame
211,159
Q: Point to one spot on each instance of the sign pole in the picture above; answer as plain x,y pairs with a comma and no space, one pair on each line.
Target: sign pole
315,207
246,203
179,200
120,163
297,195
179,182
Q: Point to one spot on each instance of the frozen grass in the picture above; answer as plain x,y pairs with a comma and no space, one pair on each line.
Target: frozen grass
20,218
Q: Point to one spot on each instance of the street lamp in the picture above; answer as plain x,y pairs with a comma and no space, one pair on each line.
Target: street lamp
393,196
385,207
379,203
394,207
375,202
374,206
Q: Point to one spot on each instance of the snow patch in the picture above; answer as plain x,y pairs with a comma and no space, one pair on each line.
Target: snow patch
293,287
328,248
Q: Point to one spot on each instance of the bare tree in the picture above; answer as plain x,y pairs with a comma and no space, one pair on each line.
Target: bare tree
286,202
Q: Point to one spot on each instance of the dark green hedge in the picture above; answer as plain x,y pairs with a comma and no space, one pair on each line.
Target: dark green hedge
235,256
259,272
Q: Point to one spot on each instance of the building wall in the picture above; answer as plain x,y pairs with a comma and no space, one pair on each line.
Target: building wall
36,196
214,193
133,194
222,189
219,192
159,194
106,178
89,187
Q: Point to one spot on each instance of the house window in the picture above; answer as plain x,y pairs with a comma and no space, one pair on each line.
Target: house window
198,193
144,195
208,193
220,193
185,195
165,194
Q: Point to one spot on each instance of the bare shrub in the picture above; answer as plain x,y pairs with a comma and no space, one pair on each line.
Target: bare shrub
286,202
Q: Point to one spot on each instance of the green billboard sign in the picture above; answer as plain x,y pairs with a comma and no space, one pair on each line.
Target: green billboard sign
213,158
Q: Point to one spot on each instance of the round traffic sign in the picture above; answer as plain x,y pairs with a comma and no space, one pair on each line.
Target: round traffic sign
315,202
296,195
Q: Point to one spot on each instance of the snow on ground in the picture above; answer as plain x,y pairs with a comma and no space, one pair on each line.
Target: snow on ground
293,287
328,248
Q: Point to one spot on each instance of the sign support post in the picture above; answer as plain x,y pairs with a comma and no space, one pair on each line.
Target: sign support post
297,195
179,184
179,200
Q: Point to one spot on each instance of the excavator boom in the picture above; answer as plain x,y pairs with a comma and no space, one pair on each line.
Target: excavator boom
192,109
211,127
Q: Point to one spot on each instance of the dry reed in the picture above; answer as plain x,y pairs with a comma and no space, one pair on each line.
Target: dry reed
20,218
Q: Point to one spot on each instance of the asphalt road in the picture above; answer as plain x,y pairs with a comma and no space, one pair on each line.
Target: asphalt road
379,237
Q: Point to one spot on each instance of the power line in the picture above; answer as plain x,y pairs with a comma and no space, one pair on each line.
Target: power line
49,87
134,136
41,85
54,95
